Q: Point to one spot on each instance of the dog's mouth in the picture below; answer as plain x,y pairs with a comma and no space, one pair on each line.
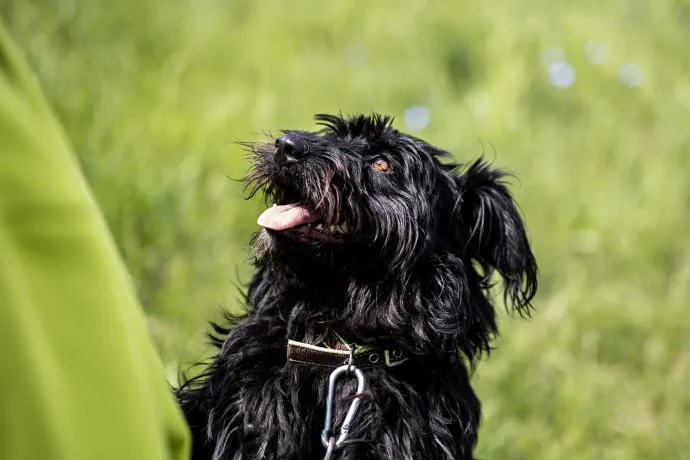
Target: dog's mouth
302,222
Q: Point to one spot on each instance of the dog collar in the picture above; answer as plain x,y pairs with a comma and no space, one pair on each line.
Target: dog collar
363,356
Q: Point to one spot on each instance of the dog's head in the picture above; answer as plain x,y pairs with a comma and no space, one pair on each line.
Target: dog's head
361,200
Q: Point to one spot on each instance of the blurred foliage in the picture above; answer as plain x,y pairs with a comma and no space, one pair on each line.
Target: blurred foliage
153,93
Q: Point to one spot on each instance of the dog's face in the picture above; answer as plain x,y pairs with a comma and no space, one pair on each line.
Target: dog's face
363,199
358,188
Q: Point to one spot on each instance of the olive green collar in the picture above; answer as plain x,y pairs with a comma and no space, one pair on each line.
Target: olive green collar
363,356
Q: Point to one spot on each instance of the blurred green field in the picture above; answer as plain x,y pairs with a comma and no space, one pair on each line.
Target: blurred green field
153,93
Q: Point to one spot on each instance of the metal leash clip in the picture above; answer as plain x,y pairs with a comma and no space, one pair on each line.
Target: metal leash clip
329,441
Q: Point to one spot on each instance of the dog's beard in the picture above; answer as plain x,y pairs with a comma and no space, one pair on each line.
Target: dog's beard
312,216
321,212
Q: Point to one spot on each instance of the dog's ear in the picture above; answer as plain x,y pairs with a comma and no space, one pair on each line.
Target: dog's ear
493,234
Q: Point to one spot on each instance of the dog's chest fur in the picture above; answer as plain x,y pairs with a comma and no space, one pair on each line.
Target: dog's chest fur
255,405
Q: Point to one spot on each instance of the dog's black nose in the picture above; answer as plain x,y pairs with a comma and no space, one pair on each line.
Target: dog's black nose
290,149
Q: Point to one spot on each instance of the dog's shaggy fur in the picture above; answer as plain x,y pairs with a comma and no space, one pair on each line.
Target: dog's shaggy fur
413,270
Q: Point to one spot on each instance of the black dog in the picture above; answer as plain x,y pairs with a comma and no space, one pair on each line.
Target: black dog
376,255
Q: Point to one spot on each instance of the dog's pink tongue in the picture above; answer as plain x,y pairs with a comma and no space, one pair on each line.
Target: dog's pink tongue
286,216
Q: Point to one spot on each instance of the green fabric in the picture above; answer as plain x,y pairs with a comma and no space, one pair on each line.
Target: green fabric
80,377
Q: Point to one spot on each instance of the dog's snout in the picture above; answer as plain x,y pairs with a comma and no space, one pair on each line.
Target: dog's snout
290,149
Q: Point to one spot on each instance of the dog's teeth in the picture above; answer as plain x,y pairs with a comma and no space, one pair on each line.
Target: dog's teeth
309,225
319,227
342,228
332,228
274,205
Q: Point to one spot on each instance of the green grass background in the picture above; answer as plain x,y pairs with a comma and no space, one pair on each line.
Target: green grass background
152,93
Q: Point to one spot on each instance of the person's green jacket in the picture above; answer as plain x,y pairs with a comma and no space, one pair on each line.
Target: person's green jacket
80,379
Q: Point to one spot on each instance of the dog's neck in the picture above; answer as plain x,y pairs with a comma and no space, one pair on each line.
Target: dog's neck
395,311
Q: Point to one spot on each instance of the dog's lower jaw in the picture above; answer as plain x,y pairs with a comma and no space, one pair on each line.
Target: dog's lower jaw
251,404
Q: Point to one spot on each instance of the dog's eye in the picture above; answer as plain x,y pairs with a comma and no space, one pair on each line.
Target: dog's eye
381,164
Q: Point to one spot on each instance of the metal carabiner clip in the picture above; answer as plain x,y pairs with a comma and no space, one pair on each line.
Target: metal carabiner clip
349,417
